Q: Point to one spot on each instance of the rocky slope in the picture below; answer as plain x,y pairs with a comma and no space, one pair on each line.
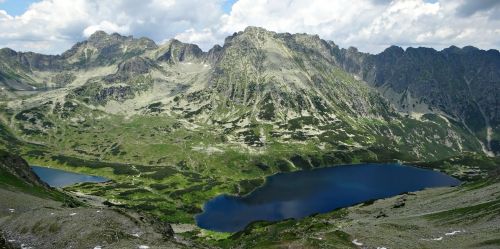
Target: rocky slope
462,83
21,171
261,89
33,215
173,126
179,118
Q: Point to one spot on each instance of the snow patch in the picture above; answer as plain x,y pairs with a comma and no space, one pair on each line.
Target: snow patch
356,242
23,246
453,233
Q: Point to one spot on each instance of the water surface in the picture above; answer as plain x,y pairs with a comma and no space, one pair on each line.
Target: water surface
302,193
60,178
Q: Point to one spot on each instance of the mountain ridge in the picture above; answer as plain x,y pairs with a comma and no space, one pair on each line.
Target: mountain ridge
442,80
173,126
260,87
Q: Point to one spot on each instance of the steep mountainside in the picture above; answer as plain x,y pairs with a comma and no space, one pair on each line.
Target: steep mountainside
173,126
462,83
261,90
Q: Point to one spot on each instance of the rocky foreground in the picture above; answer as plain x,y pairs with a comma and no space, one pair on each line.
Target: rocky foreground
33,215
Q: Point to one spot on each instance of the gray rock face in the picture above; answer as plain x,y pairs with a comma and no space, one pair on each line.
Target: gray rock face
32,218
103,49
19,168
180,52
135,65
463,83
31,61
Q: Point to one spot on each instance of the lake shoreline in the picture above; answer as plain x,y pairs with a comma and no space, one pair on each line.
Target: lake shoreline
346,185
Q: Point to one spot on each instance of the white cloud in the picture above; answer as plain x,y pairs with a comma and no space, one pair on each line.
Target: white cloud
4,16
54,25
401,22
371,25
106,26
204,38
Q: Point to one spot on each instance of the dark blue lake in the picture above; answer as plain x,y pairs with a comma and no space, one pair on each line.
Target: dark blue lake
60,178
303,193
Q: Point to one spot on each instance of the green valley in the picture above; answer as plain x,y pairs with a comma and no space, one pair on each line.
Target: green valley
173,126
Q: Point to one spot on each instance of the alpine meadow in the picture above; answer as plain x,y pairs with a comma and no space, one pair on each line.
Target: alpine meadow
272,139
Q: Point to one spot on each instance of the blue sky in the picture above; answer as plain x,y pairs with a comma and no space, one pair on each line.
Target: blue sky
16,7
228,4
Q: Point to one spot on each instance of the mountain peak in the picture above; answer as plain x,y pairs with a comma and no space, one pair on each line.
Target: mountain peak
255,29
98,35
101,36
394,49
252,31
175,50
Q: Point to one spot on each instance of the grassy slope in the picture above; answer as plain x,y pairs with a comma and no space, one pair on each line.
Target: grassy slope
35,216
170,165
162,174
8,181
160,165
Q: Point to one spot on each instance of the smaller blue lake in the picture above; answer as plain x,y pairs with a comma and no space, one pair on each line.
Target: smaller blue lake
60,178
303,193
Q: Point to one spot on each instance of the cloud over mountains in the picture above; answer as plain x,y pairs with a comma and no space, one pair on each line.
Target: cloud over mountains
52,26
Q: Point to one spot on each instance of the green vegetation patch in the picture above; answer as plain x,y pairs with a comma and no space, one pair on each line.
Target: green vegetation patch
467,214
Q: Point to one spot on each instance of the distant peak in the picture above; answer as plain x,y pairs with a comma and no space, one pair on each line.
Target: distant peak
98,35
394,50
103,36
470,49
352,50
8,51
254,29
452,50
173,41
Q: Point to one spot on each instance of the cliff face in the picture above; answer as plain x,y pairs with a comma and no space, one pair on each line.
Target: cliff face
19,168
462,83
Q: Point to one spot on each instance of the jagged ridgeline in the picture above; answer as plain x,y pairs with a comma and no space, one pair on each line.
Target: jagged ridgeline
120,98
463,84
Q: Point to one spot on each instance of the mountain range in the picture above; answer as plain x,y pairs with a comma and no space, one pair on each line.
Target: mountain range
173,126
263,87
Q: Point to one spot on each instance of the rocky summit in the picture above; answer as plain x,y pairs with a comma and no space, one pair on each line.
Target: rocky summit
173,126
263,89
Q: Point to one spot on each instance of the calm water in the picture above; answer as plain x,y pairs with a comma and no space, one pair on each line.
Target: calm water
60,178
299,194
